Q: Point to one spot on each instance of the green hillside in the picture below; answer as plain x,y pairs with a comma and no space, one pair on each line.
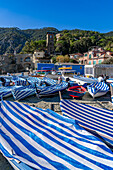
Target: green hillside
72,40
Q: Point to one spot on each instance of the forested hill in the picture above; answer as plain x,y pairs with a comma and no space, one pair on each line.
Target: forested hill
14,38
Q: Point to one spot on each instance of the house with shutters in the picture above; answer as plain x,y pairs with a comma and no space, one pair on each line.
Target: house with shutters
95,55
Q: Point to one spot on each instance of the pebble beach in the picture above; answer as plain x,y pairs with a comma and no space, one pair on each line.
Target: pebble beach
53,103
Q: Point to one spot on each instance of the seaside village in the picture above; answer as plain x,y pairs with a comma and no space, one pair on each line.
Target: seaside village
57,115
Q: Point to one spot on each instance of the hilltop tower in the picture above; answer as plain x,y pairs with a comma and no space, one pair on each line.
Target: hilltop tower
50,42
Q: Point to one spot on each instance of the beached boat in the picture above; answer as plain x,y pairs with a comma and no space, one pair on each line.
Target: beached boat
34,80
33,138
49,81
98,89
97,120
38,75
76,91
23,92
7,91
111,89
52,90
82,80
110,80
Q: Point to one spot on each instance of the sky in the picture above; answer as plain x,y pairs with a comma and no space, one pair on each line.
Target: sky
95,15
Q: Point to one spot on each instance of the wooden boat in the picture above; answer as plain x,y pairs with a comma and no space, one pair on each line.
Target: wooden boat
52,90
37,75
23,92
111,89
98,89
76,91
82,80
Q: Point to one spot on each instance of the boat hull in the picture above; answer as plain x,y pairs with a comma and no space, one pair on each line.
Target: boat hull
77,91
98,89
99,94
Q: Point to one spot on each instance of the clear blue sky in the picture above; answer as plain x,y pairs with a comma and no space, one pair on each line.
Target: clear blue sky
96,15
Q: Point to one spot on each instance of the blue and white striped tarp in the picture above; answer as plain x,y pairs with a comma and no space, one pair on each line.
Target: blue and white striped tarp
23,92
53,89
111,88
46,140
21,81
33,80
7,91
0,84
98,87
92,118
49,81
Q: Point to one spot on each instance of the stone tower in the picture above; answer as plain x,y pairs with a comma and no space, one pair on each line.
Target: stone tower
50,42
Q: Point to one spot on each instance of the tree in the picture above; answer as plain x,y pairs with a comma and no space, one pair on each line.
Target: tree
62,46
108,61
27,48
53,59
66,58
60,58
41,45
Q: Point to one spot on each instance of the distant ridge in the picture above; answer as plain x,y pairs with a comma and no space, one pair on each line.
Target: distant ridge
14,38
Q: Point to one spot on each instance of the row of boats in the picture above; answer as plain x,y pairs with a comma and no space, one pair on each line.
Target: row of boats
34,138
76,87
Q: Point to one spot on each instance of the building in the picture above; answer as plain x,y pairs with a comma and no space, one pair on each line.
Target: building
79,68
58,36
98,69
39,57
50,42
24,62
94,56
16,63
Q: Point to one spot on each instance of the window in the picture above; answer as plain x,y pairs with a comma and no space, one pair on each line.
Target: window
100,61
21,59
85,55
89,62
89,70
94,62
89,56
27,59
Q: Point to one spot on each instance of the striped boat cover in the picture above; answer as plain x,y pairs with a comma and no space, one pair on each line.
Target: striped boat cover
53,88
85,79
111,87
49,81
21,81
23,92
7,91
98,87
95,119
33,80
46,140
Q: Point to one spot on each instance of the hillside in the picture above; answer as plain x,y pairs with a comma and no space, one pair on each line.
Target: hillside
14,38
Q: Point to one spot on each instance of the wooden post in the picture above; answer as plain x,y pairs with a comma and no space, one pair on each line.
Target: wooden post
60,95
111,89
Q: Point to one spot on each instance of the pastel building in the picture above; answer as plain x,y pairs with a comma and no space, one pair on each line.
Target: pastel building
95,56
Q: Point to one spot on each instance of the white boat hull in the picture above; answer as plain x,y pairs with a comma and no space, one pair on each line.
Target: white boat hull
98,94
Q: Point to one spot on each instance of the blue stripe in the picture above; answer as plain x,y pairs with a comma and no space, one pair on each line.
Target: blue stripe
47,131
68,110
42,143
